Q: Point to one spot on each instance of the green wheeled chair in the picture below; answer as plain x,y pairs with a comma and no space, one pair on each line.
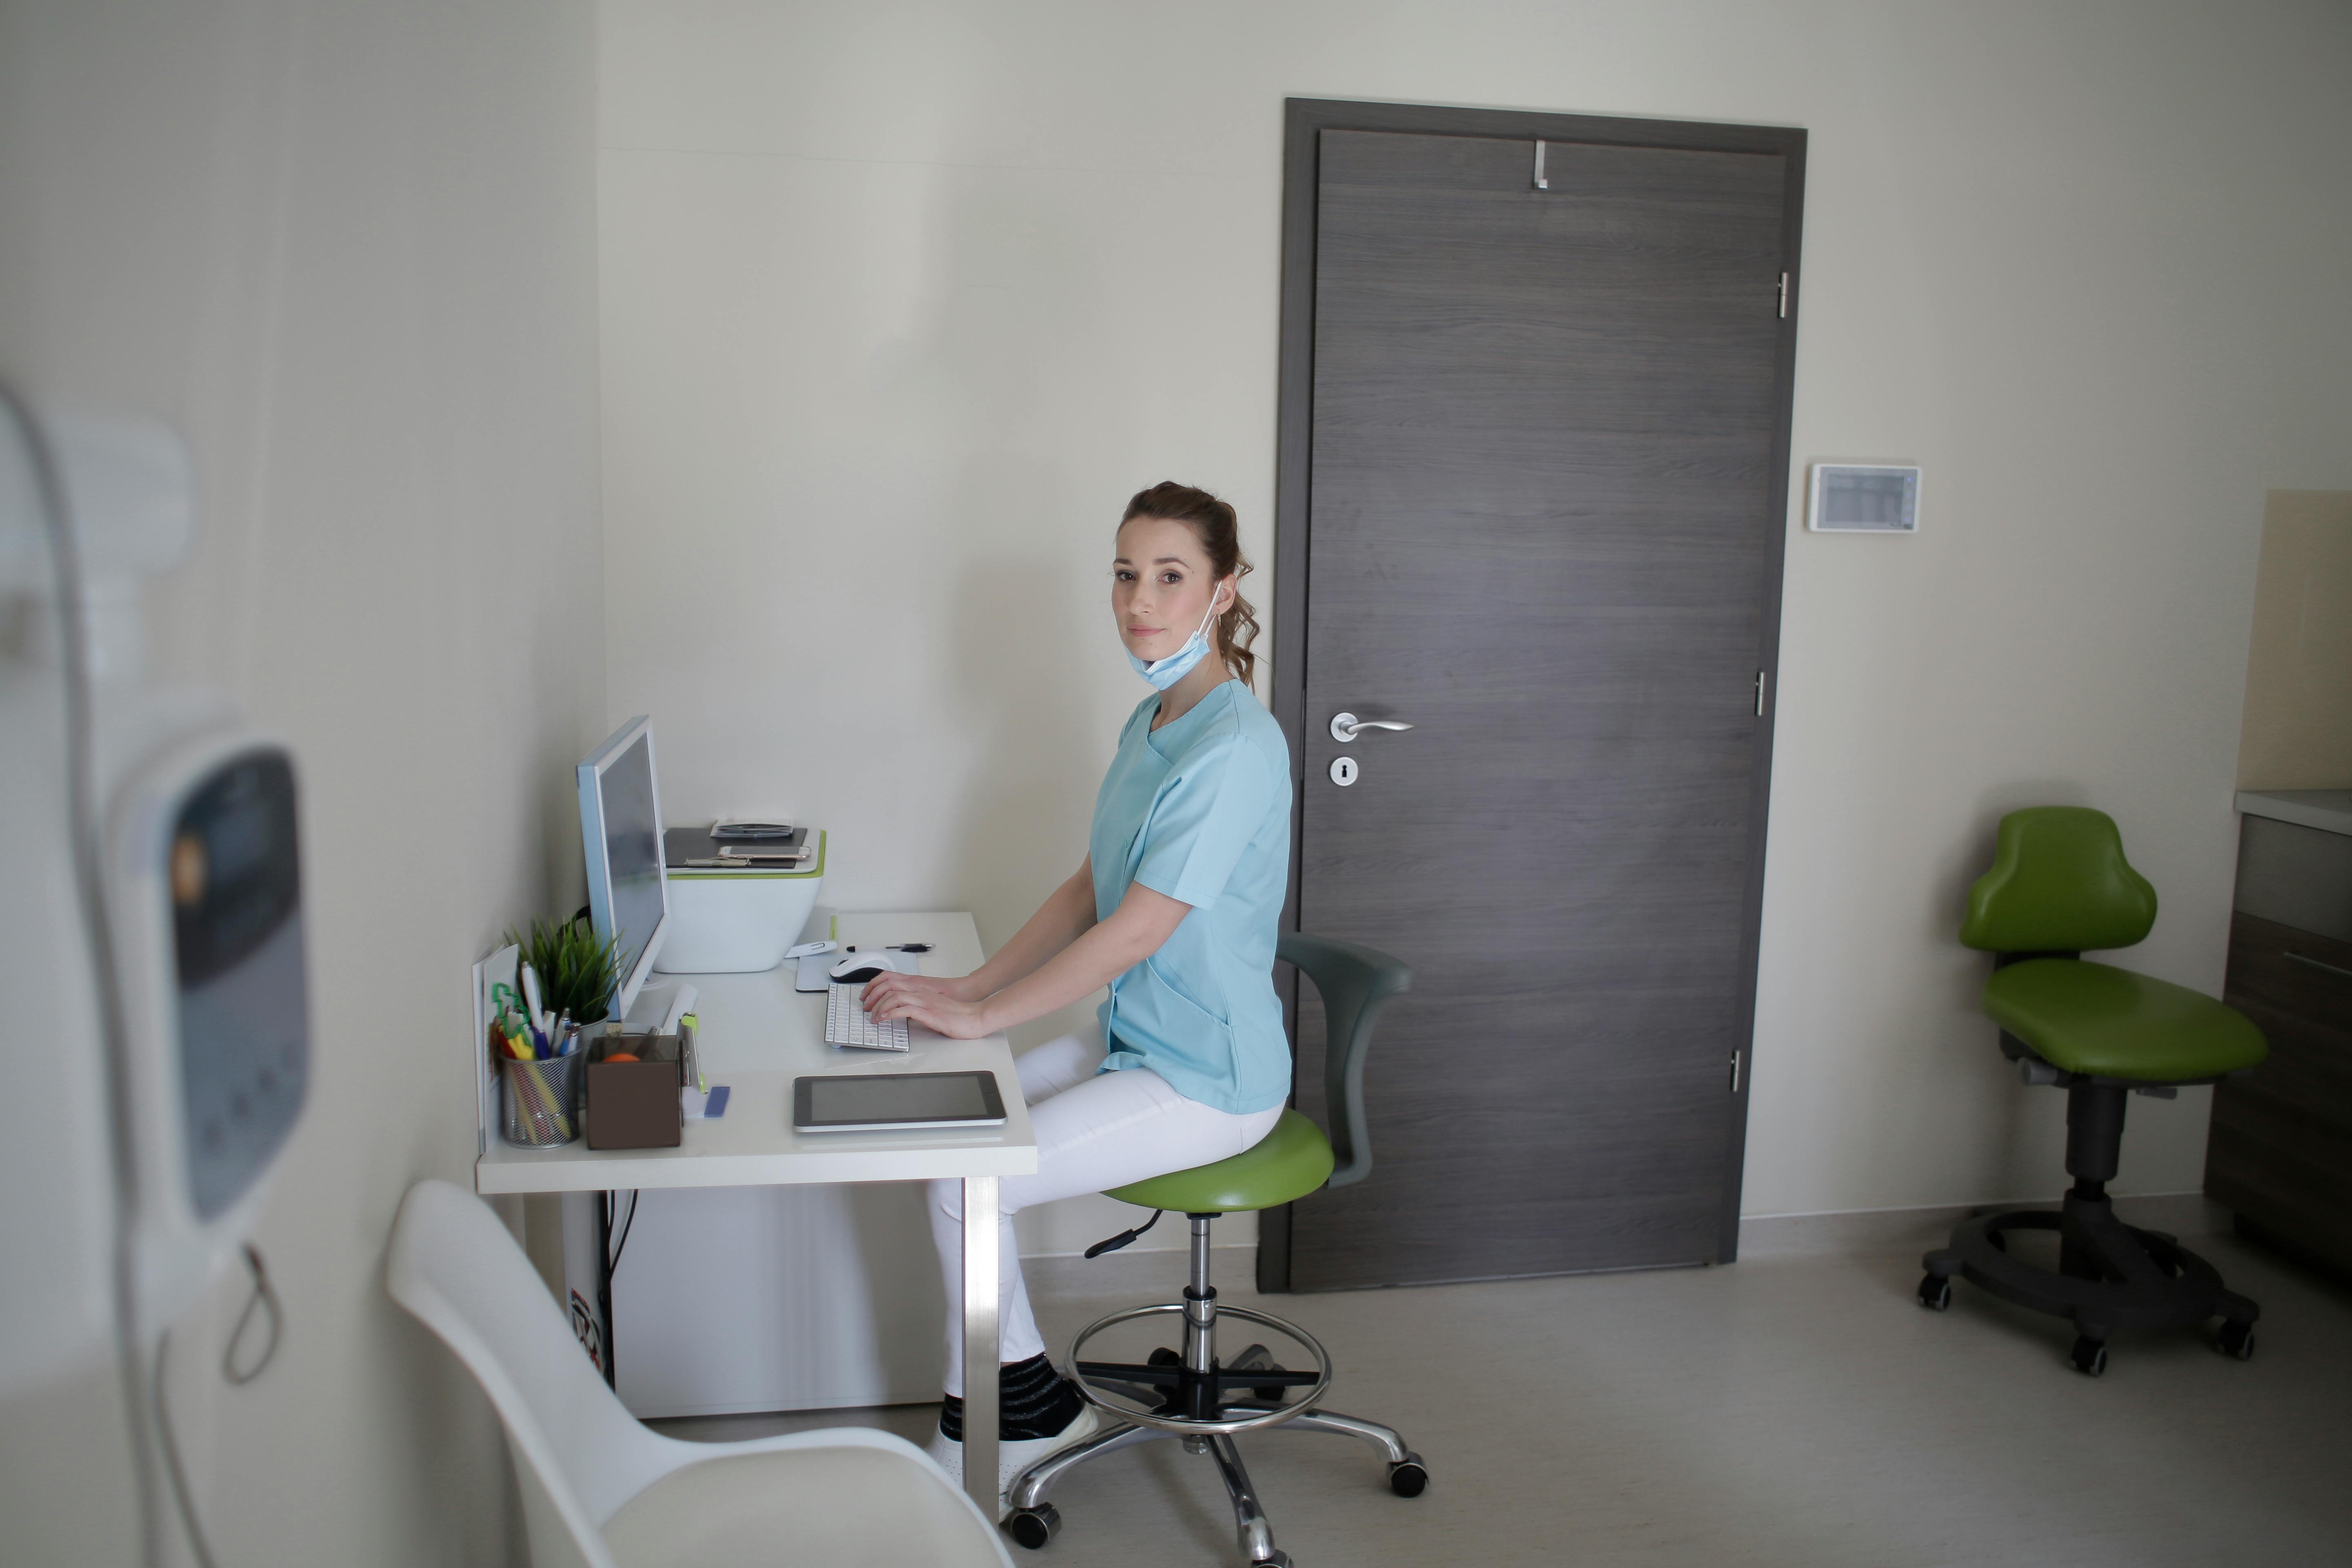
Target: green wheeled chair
2059,885
1190,1393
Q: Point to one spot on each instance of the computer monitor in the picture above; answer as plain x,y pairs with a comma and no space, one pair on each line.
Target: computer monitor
621,837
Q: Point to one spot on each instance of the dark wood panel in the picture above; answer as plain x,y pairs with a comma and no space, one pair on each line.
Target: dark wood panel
1542,480
2280,1148
1448,1199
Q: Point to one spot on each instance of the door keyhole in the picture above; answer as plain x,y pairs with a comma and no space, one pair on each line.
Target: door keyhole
1343,771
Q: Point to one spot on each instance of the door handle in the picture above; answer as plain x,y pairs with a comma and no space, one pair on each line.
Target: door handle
1345,727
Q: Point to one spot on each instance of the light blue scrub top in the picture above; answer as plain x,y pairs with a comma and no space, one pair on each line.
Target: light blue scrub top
1201,812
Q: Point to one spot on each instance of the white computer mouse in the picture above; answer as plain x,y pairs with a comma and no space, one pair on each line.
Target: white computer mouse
854,968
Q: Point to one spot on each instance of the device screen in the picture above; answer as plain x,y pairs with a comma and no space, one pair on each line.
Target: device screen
633,849
236,878
901,1097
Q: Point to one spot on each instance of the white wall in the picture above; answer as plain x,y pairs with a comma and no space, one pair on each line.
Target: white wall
900,301
349,251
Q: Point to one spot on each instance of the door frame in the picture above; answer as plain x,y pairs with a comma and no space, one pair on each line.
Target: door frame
1302,120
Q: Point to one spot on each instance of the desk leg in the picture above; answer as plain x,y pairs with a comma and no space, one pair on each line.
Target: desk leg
605,1205
584,1275
980,1341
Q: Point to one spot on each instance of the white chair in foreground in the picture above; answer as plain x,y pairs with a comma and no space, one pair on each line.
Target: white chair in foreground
601,1491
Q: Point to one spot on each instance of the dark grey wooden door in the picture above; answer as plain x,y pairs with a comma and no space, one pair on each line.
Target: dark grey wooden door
1544,505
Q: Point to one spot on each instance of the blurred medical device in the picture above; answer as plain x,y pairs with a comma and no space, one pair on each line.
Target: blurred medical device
151,928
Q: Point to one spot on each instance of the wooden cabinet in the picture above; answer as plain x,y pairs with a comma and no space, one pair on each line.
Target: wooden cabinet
2280,1154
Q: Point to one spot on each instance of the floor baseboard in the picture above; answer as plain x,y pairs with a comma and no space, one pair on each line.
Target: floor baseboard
1157,1274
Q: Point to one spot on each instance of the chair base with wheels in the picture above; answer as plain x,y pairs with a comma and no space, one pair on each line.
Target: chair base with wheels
1195,1395
2110,1275
1189,1392
2060,884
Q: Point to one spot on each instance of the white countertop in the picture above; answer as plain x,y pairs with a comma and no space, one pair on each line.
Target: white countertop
2329,810
757,1034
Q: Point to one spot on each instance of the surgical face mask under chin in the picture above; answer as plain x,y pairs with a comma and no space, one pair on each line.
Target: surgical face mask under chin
1164,673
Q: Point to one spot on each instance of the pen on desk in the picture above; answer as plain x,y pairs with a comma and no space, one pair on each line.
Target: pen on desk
538,1019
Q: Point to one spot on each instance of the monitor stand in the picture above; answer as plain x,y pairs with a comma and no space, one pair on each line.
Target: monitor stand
650,1011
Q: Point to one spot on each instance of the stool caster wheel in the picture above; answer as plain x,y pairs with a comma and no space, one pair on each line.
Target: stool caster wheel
2089,1356
2235,1340
1935,1292
1163,1356
1273,1394
1279,1560
1409,1477
1032,1527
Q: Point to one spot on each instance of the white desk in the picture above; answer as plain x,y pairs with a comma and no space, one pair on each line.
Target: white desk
756,1035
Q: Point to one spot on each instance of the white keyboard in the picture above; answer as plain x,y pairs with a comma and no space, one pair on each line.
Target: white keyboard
845,1023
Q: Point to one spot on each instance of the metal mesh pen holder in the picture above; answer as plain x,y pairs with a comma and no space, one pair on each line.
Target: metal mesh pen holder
542,1100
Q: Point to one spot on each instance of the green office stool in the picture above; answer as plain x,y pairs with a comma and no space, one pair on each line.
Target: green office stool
1189,1393
2060,884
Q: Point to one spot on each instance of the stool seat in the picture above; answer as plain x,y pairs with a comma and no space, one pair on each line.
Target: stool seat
1286,1164
2105,1022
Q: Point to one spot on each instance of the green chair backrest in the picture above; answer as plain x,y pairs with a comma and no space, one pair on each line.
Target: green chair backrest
2059,883
1355,982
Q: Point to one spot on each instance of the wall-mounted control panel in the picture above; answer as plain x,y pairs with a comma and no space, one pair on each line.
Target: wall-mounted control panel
1858,498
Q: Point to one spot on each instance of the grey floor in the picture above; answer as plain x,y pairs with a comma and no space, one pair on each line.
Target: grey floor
1796,1410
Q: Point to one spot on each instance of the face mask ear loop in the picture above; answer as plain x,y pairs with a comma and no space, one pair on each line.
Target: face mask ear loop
1215,628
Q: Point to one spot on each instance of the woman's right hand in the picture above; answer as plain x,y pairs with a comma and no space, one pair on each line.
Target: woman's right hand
882,987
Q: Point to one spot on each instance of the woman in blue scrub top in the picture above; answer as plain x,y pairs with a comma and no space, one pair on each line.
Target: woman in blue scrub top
1174,911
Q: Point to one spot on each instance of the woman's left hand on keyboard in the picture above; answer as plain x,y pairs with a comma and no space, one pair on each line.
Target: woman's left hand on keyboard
923,999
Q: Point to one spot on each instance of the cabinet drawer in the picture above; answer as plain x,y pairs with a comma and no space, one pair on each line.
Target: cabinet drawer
2297,973
2281,1146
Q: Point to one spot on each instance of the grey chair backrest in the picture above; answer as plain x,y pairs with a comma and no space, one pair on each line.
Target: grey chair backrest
1355,984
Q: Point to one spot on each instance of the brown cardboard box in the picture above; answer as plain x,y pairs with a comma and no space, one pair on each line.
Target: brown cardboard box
634,1105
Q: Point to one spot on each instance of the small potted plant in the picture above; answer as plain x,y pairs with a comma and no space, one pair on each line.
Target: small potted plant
578,975
572,977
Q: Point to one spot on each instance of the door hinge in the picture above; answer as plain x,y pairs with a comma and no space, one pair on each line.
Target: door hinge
1734,1072
1784,296
1759,694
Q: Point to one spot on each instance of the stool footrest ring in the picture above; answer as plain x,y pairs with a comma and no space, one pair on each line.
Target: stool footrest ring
1173,1378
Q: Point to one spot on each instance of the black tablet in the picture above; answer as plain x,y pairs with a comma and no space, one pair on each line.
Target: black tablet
889,1102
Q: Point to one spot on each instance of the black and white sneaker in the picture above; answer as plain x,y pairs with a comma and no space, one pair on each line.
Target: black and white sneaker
1015,1456
1040,1413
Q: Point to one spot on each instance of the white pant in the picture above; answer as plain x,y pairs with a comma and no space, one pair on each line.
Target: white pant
1093,1131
